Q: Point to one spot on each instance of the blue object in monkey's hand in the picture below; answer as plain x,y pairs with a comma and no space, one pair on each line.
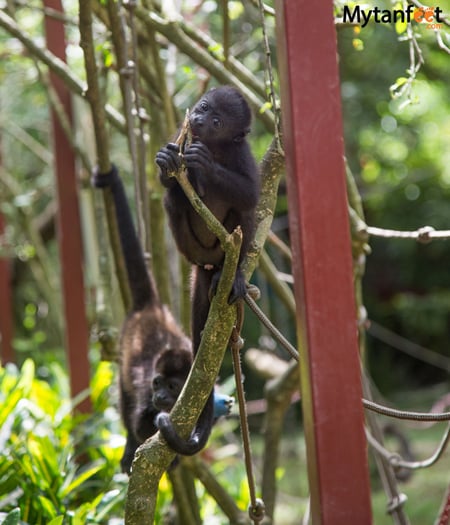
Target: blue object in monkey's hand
222,405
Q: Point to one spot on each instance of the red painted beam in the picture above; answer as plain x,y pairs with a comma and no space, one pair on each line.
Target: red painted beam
6,319
319,229
69,226
444,513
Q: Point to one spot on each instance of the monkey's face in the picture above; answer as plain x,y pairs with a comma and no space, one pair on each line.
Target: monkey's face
166,391
171,370
207,124
222,115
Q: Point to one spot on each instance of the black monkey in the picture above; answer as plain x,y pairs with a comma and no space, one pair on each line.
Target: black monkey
224,173
155,355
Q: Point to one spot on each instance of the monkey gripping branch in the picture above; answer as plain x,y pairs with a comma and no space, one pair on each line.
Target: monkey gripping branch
154,456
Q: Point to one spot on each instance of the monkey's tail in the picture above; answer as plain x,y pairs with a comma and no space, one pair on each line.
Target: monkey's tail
199,437
142,286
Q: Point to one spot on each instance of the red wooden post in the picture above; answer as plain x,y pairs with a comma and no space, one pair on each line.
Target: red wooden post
69,228
319,229
444,513
6,320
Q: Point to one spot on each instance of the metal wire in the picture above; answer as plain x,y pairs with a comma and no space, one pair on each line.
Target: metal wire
272,328
397,461
370,405
406,414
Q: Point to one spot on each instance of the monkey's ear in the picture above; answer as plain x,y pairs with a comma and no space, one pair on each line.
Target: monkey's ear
241,136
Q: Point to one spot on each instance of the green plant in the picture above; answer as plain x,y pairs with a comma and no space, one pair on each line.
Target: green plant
57,467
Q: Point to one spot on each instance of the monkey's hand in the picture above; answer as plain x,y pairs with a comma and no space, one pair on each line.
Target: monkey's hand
238,290
187,447
198,157
169,161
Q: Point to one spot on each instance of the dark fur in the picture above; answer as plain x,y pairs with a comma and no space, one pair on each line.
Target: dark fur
224,173
155,355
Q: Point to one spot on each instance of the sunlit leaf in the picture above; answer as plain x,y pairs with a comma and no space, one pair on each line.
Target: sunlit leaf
79,517
48,507
401,81
265,107
400,26
82,477
56,521
27,375
358,44
100,384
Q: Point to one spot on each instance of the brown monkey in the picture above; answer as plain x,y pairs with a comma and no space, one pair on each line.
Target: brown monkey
155,354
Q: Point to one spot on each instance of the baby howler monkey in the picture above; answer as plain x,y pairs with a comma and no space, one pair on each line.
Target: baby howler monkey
224,174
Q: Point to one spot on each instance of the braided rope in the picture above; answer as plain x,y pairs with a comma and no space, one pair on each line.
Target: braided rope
250,297
256,509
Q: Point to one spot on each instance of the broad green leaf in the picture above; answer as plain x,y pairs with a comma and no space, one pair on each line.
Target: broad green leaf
12,518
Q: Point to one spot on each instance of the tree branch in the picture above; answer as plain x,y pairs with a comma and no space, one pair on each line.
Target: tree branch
154,456
173,31
98,113
272,168
215,490
280,288
216,52
57,66
278,393
93,92
184,494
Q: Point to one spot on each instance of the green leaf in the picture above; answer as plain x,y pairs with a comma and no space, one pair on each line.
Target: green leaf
400,27
401,81
56,521
265,107
48,507
12,518
80,516
82,477
27,375
108,502
9,405
358,44
100,385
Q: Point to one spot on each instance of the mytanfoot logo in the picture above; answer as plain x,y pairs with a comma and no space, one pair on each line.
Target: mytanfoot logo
432,16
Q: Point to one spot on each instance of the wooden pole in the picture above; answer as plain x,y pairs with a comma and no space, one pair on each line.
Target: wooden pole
322,265
69,226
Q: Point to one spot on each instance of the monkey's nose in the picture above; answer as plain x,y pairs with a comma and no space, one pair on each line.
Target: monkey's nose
197,120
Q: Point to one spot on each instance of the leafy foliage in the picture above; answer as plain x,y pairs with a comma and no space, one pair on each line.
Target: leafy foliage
56,467
60,468
398,155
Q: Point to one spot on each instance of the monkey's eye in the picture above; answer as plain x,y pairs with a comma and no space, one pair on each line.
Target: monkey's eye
173,386
204,105
217,123
157,382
